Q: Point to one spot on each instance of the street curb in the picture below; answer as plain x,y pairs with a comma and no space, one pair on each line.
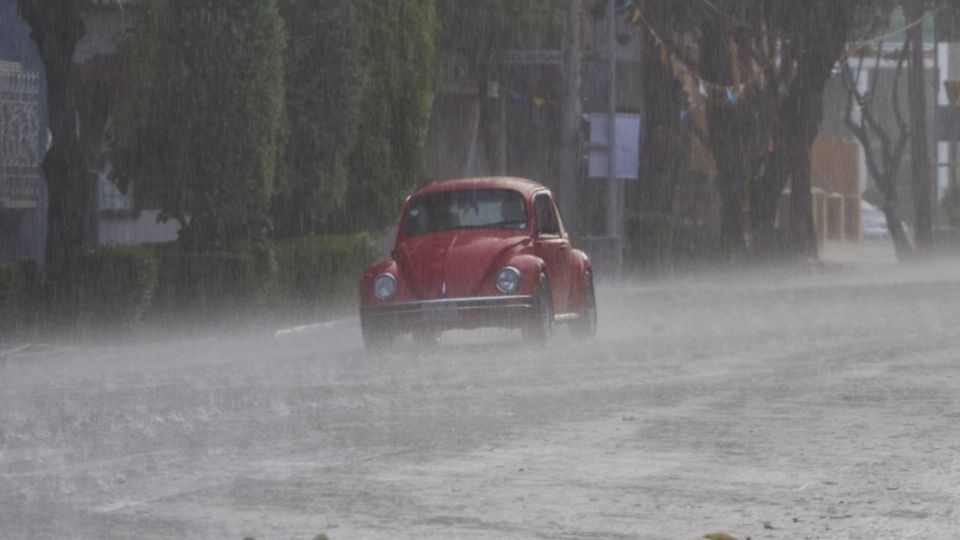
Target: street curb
13,350
310,328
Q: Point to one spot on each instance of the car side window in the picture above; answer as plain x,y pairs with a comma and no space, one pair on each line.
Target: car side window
547,222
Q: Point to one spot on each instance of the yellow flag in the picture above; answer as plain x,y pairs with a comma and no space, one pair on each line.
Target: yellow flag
539,101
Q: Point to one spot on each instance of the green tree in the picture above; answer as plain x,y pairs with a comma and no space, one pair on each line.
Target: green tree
199,132
359,79
324,83
389,152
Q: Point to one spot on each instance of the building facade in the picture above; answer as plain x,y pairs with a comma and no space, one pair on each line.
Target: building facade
23,140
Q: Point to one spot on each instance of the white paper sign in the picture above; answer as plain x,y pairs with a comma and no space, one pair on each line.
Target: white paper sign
627,146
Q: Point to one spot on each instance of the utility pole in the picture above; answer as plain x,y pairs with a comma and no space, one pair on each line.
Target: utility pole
571,111
919,155
614,197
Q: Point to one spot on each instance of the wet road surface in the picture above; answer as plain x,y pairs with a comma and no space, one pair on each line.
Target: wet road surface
774,405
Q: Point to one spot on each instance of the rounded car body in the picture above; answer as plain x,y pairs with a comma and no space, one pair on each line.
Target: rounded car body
478,252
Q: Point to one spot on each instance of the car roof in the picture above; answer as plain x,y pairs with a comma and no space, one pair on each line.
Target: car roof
522,185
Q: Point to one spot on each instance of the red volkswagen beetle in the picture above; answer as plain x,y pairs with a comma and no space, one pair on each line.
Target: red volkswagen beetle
478,252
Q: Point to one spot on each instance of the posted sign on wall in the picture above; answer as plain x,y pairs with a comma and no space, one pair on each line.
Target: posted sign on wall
627,144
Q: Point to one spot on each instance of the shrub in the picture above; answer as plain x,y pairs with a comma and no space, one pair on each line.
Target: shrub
319,273
657,243
111,285
214,284
13,297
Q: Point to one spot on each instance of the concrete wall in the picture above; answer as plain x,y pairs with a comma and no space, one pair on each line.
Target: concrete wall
835,166
122,228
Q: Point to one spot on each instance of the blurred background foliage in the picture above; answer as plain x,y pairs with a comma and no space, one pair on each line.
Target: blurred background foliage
279,133
199,129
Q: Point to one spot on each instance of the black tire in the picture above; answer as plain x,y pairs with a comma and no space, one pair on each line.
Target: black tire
539,326
375,338
586,324
427,337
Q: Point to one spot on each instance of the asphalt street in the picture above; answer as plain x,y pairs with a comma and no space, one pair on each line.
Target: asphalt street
792,403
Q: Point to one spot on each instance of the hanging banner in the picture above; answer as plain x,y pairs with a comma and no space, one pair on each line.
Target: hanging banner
527,57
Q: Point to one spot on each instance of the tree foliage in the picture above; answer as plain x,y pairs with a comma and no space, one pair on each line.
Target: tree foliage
389,154
883,145
359,79
766,64
479,31
198,133
324,81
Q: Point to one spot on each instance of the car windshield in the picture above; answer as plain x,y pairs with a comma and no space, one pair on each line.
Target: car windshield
468,208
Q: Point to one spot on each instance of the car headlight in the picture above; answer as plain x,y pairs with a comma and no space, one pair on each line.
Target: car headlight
384,286
508,280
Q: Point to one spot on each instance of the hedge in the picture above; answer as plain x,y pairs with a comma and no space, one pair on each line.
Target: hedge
111,285
219,284
318,274
13,300
115,288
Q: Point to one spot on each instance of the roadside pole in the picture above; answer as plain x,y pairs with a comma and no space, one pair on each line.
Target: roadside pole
614,191
571,147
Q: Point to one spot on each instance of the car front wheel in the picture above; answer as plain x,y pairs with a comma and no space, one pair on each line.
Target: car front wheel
375,337
540,325
586,323
426,337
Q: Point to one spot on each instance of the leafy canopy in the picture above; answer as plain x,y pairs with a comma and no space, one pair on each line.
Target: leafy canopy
199,130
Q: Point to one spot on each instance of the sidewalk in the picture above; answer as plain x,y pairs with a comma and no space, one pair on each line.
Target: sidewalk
868,263
868,253
876,262
10,349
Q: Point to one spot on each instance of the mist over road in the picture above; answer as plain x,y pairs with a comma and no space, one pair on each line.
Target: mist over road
774,404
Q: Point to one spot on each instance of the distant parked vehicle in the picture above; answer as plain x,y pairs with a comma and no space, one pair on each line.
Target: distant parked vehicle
873,223
478,252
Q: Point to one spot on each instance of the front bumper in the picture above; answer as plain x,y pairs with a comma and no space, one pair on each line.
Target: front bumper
450,313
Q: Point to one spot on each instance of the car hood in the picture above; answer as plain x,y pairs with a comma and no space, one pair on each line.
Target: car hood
454,262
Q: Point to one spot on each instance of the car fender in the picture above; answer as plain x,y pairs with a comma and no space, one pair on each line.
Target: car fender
371,272
582,265
529,266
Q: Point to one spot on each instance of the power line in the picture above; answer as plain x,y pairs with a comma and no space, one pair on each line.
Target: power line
726,15
894,32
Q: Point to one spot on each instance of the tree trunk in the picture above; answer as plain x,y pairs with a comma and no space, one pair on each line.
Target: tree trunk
56,27
728,140
901,242
802,230
662,141
919,154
